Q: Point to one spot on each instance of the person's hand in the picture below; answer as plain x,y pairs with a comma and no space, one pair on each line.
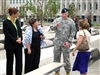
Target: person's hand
42,37
19,41
29,51
57,25
73,53
67,45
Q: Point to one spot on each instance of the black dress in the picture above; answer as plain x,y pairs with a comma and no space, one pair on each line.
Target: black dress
32,60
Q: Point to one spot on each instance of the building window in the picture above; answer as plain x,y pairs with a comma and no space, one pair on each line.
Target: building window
16,7
10,1
14,1
79,6
95,18
37,0
17,1
74,5
83,17
90,6
26,1
63,4
96,6
23,1
20,1
84,6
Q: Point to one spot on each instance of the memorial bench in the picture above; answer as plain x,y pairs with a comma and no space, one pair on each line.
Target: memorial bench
95,53
94,31
47,69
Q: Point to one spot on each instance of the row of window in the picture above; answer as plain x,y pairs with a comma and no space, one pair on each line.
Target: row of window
94,18
90,6
84,6
16,1
20,1
79,5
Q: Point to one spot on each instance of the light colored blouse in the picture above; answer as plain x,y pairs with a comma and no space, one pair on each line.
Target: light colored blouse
88,36
28,36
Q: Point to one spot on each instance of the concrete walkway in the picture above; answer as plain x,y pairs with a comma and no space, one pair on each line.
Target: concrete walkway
94,68
47,55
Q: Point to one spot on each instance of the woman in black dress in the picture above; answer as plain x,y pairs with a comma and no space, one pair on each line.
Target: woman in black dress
31,42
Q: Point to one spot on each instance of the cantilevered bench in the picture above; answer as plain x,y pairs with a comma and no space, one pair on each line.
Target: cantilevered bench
47,69
95,53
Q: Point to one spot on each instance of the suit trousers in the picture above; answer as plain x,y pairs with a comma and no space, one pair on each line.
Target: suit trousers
10,59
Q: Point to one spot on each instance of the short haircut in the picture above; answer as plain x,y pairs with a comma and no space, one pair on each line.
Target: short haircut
12,11
32,21
83,24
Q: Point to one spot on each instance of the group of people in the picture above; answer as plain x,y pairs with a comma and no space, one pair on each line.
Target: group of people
66,30
33,40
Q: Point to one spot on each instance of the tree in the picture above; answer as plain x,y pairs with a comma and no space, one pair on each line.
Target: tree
4,8
89,15
72,10
52,8
43,8
22,11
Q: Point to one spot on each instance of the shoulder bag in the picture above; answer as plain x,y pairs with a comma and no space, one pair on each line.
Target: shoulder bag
84,46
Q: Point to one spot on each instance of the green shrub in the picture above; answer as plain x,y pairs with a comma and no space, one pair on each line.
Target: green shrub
94,24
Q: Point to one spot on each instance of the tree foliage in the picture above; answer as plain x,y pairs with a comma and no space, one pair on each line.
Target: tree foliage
72,10
22,11
52,8
4,8
43,9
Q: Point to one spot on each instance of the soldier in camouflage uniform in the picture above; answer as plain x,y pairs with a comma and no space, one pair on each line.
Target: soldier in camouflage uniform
65,31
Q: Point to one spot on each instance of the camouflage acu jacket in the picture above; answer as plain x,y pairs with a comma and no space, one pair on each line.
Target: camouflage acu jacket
65,32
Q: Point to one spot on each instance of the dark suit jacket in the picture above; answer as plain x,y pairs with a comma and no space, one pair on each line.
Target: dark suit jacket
11,34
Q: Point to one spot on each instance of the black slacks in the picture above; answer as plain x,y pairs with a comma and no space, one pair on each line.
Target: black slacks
32,60
18,61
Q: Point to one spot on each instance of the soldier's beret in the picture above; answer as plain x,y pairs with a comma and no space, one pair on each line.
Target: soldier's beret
64,10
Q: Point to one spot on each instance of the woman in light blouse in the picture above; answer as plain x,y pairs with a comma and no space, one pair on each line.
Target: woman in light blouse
32,44
82,58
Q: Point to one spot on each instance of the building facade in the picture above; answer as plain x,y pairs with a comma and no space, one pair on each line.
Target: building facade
2,7
84,7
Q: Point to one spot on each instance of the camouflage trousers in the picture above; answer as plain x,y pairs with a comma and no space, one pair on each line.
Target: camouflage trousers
66,57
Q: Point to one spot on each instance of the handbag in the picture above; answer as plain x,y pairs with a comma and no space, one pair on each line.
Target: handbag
84,46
